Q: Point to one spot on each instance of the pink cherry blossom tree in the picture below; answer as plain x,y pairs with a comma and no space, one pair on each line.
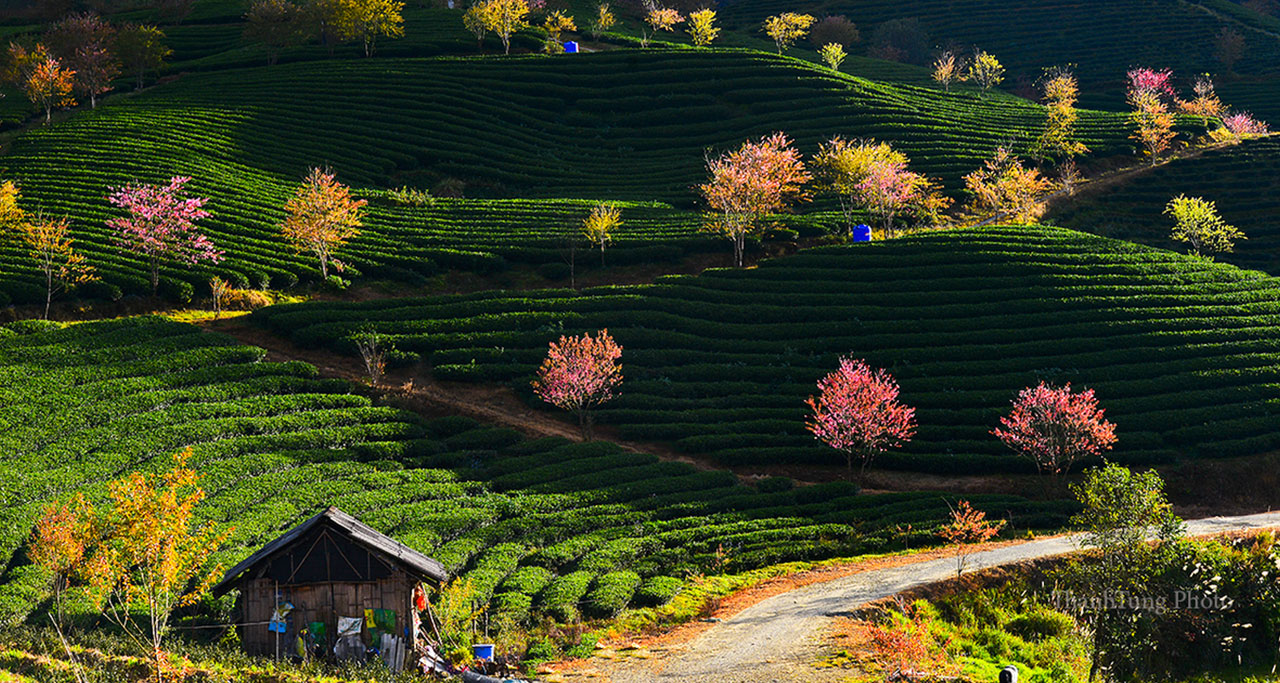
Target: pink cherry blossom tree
1243,125
750,183
1056,427
580,373
857,412
161,225
1155,81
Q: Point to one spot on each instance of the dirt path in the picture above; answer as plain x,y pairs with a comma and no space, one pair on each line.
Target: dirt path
415,389
779,639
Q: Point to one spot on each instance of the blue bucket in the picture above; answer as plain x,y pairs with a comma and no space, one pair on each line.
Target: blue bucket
484,652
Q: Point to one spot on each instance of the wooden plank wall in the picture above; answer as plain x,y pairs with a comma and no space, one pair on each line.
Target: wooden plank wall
319,602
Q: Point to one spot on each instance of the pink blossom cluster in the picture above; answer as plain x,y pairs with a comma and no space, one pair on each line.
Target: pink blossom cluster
580,372
161,222
1244,125
1055,427
757,179
857,410
1151,80
889,185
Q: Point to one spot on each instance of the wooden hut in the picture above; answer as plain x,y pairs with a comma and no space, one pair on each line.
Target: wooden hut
330,567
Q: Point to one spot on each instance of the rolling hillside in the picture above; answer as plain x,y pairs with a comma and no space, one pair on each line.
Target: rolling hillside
1182,352
1103,38
624,125
547,526
1244,181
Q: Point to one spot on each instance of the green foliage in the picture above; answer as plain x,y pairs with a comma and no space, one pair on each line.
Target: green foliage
1182,352
1103,38
1243,179
534,527
1196,222
245,135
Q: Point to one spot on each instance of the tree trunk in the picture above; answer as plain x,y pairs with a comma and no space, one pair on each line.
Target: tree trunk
48,299
324,266
48,114
602,253
155,277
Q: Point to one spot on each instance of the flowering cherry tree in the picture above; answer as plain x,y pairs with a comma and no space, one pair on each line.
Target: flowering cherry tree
161,225
1153,121
1151,80
857,412
1056,427
1239,126
750,183
580,373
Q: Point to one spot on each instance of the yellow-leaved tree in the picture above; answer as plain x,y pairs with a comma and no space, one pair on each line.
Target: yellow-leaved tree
476,21
702,27
1006,189
986,71
49,244
603,21
367,20
141,556
321,217
787,28
556,23
598,227
505,17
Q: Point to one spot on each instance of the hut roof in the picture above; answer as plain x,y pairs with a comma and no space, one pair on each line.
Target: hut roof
336,525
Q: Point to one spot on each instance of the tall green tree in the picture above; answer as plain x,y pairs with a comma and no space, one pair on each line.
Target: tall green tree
1133,534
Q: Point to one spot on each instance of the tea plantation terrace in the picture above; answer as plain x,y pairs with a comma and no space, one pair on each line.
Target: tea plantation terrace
624,126
542,526
1184,353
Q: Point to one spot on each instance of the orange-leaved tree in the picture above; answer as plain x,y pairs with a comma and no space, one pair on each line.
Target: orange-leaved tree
657,18
1205,104
141,556
1007,190
151,554
1153,122
906,649
49,85
967,527
580,373
49,244
59,544
321,217
749,184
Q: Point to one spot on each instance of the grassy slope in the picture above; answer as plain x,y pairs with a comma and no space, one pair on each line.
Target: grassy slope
624,125
1182,352
1244,181
1103,38
82,405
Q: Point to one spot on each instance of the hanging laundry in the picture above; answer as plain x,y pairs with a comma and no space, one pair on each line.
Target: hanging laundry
277,624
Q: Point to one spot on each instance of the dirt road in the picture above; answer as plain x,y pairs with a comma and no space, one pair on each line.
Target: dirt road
778,639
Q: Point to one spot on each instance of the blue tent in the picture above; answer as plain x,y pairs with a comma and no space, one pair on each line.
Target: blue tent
861,233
